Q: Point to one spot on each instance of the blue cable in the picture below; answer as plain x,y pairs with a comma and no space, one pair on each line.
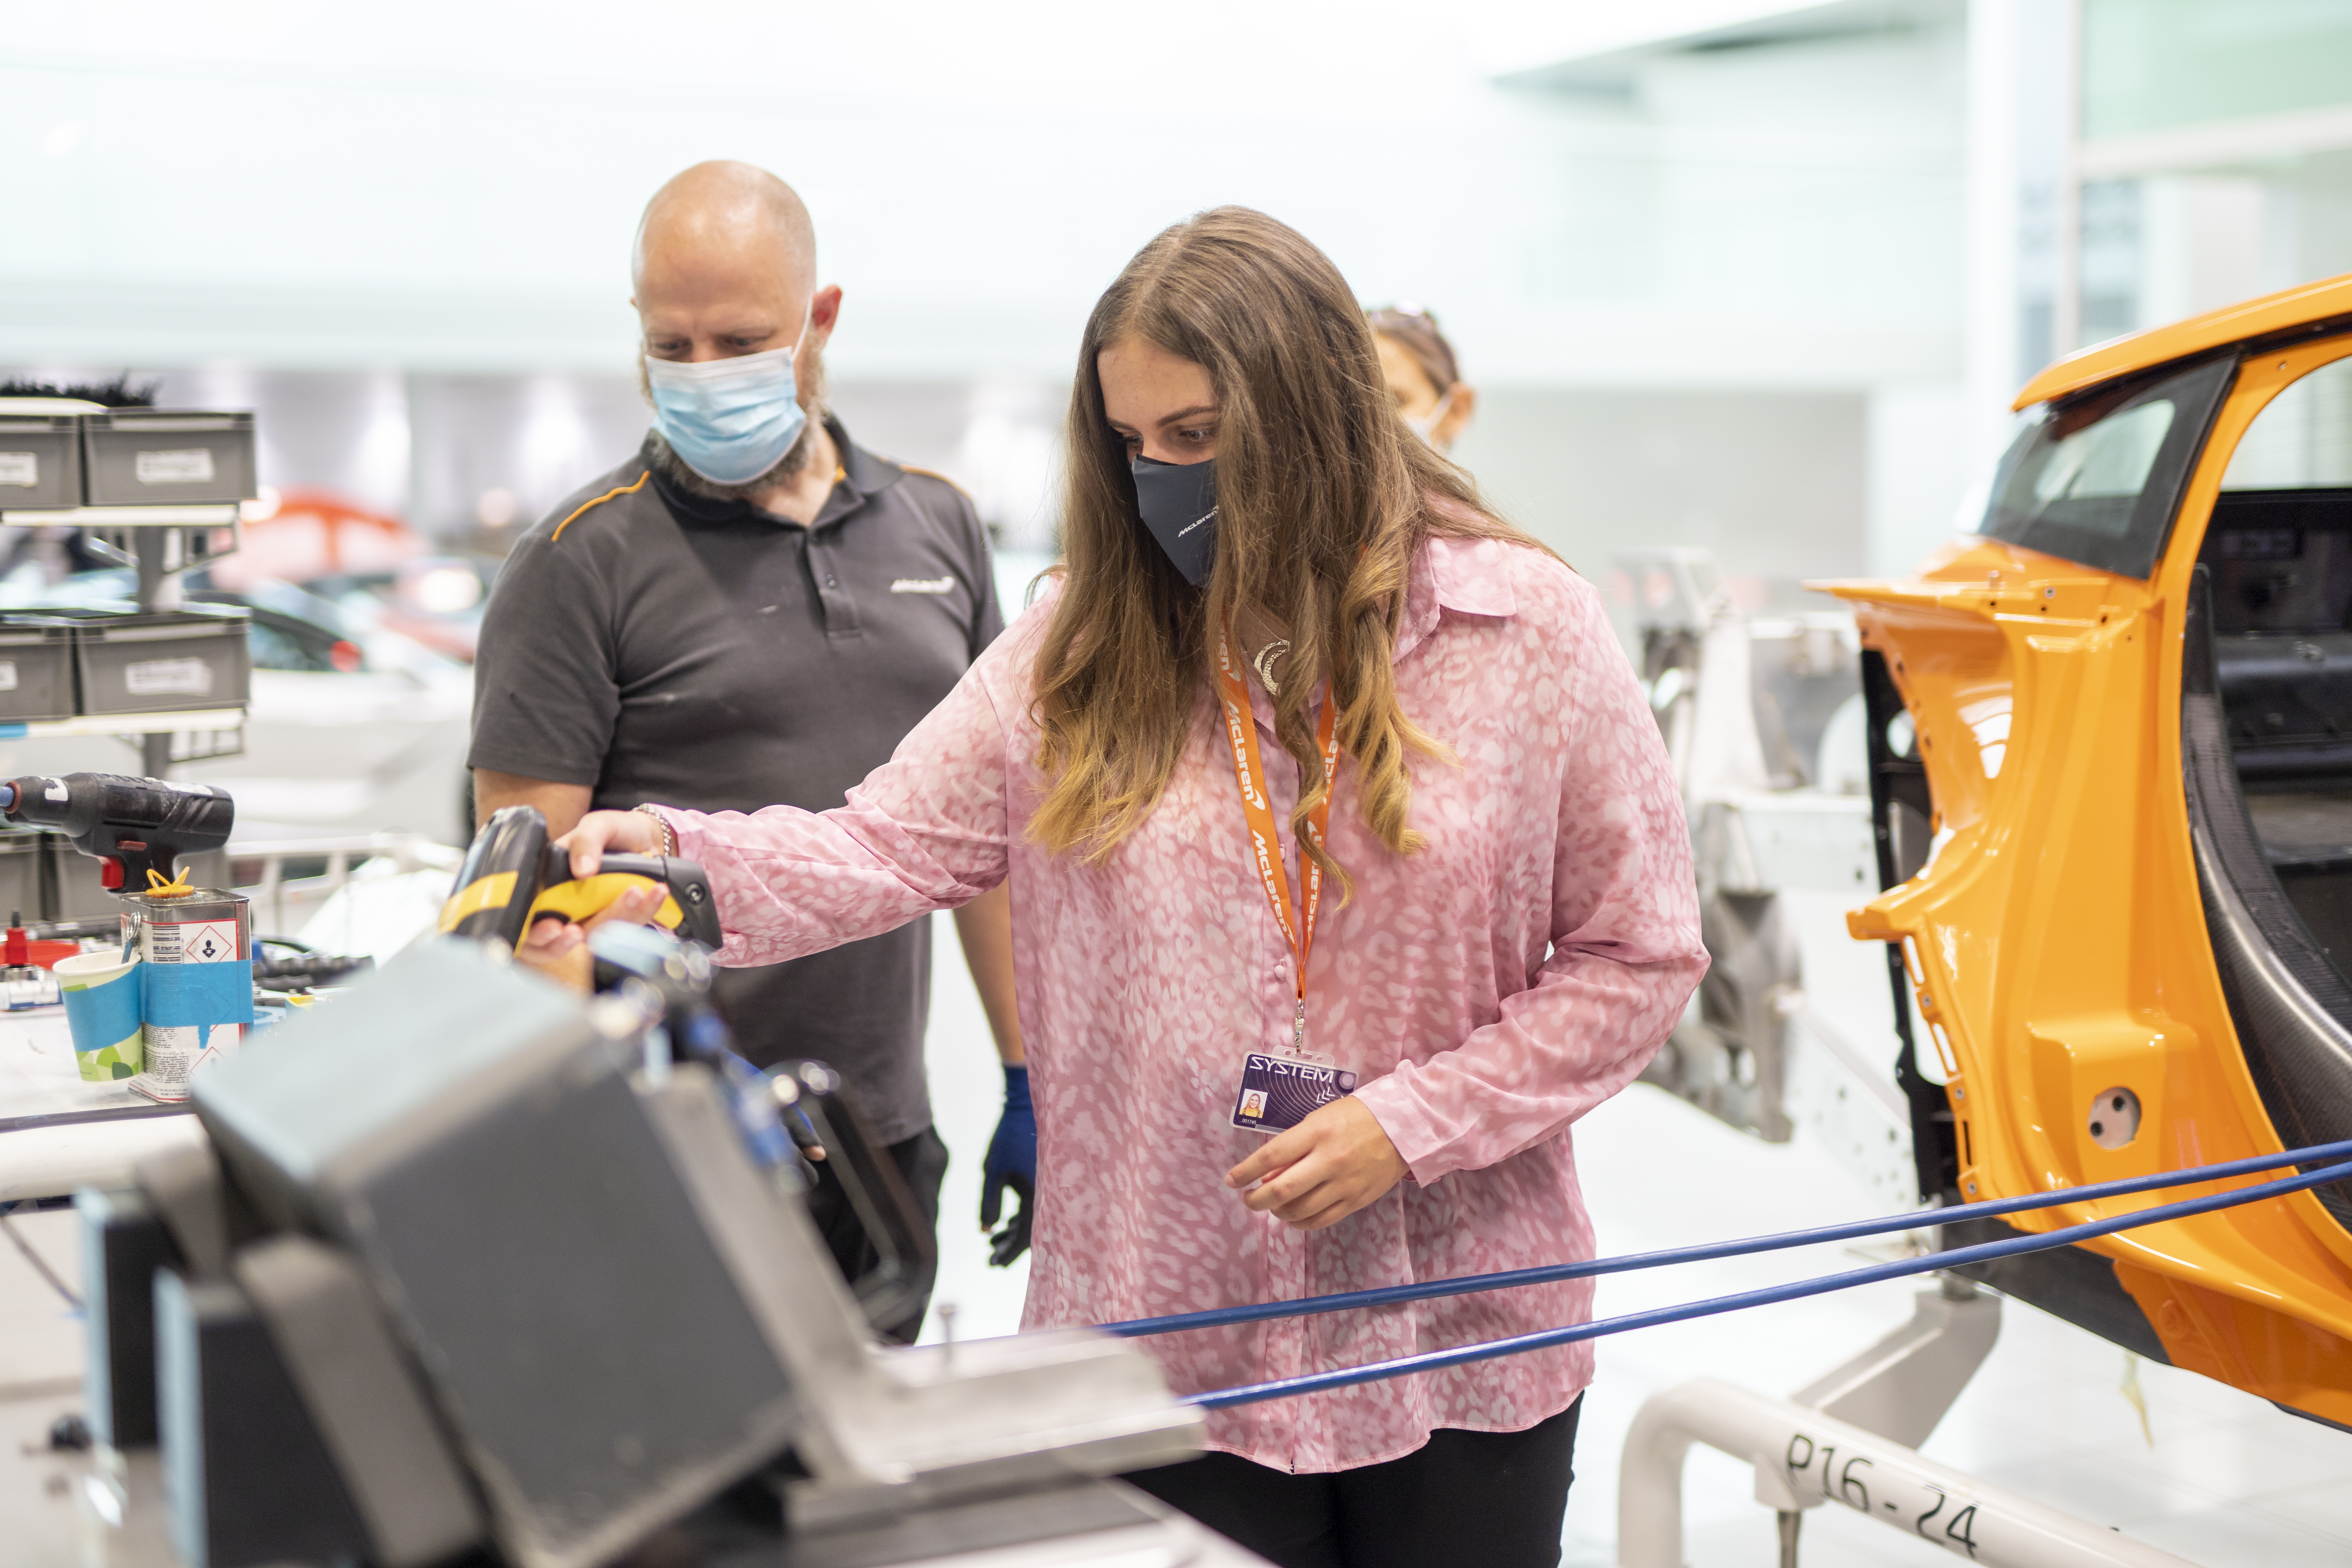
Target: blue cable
1435,1360
1990,1208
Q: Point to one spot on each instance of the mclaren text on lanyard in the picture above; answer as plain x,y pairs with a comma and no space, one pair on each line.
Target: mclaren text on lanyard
1257,809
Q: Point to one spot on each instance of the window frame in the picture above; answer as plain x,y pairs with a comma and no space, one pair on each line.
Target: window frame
2198,389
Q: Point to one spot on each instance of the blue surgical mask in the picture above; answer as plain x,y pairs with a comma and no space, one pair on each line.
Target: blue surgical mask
730,420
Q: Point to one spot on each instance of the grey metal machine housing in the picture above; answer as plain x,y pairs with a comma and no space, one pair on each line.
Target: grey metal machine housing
615,1312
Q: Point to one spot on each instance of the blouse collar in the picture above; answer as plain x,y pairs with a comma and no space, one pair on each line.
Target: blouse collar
1467,576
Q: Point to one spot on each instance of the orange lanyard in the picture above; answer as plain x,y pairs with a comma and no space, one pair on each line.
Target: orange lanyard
1266,846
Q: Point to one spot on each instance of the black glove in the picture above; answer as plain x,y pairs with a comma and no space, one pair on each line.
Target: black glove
1011,1162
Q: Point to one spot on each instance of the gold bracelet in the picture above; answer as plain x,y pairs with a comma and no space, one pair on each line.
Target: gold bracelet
668,834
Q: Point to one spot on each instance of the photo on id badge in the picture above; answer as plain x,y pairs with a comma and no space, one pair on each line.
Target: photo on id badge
1278,1092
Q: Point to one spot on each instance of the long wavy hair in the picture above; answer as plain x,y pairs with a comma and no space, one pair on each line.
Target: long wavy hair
1324,497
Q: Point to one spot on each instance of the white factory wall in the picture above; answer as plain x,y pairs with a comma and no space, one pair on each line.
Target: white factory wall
1856,201
1680,248
303,185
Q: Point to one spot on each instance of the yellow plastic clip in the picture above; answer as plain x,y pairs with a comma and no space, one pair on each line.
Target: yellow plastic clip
178,887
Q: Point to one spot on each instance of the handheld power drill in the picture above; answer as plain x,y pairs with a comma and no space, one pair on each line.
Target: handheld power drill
133,827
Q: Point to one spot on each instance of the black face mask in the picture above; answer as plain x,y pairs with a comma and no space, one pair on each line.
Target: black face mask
1179,503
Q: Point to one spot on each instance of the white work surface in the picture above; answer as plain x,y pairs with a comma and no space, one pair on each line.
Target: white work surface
57,1132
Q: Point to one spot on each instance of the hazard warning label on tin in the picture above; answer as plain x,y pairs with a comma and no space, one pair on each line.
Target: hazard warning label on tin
192,942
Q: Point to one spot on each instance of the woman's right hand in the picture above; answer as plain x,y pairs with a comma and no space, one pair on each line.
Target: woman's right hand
557,948
629,832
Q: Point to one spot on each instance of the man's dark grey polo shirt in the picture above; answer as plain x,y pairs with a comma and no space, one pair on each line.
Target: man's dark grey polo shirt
662,647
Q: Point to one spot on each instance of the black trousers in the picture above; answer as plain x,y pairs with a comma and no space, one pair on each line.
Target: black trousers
1496,1498
922,1160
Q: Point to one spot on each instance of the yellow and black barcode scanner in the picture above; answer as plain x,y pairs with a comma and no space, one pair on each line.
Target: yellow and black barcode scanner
514,878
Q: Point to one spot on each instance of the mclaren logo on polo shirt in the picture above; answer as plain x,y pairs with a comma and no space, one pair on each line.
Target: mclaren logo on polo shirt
922,584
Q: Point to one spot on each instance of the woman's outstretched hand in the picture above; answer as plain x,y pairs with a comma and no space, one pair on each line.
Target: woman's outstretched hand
557,949
1323,1170
629,832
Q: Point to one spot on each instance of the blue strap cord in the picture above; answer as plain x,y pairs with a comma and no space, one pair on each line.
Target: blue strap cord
1435,1360
198,994
1994,1208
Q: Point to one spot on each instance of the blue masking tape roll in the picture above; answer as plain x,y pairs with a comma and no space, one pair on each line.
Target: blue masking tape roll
199,995
99,1015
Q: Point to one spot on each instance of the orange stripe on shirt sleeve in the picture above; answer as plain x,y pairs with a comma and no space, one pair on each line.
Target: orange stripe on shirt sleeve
935,474
600,500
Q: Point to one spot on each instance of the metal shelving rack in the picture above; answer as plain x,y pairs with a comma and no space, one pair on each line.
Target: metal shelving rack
161,543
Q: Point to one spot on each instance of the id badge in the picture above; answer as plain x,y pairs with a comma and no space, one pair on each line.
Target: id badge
1278,1091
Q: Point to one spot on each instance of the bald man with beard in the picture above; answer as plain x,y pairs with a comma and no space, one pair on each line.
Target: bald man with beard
753,609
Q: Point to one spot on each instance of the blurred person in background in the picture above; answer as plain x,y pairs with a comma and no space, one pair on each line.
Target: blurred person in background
754,608
1291,648
1424,378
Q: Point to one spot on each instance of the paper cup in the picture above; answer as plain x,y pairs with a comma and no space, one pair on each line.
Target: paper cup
102,997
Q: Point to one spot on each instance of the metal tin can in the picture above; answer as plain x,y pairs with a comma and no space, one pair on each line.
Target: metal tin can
204,927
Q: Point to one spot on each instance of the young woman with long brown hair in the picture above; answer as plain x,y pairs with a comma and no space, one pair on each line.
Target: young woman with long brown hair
1307,772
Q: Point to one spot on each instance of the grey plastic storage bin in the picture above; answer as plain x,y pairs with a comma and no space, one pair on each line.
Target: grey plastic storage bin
72,890
22,873
166,457
163,661
41,461
37,669
76,889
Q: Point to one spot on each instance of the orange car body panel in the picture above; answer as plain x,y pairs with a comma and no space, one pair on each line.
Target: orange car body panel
2305,306
2056,941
